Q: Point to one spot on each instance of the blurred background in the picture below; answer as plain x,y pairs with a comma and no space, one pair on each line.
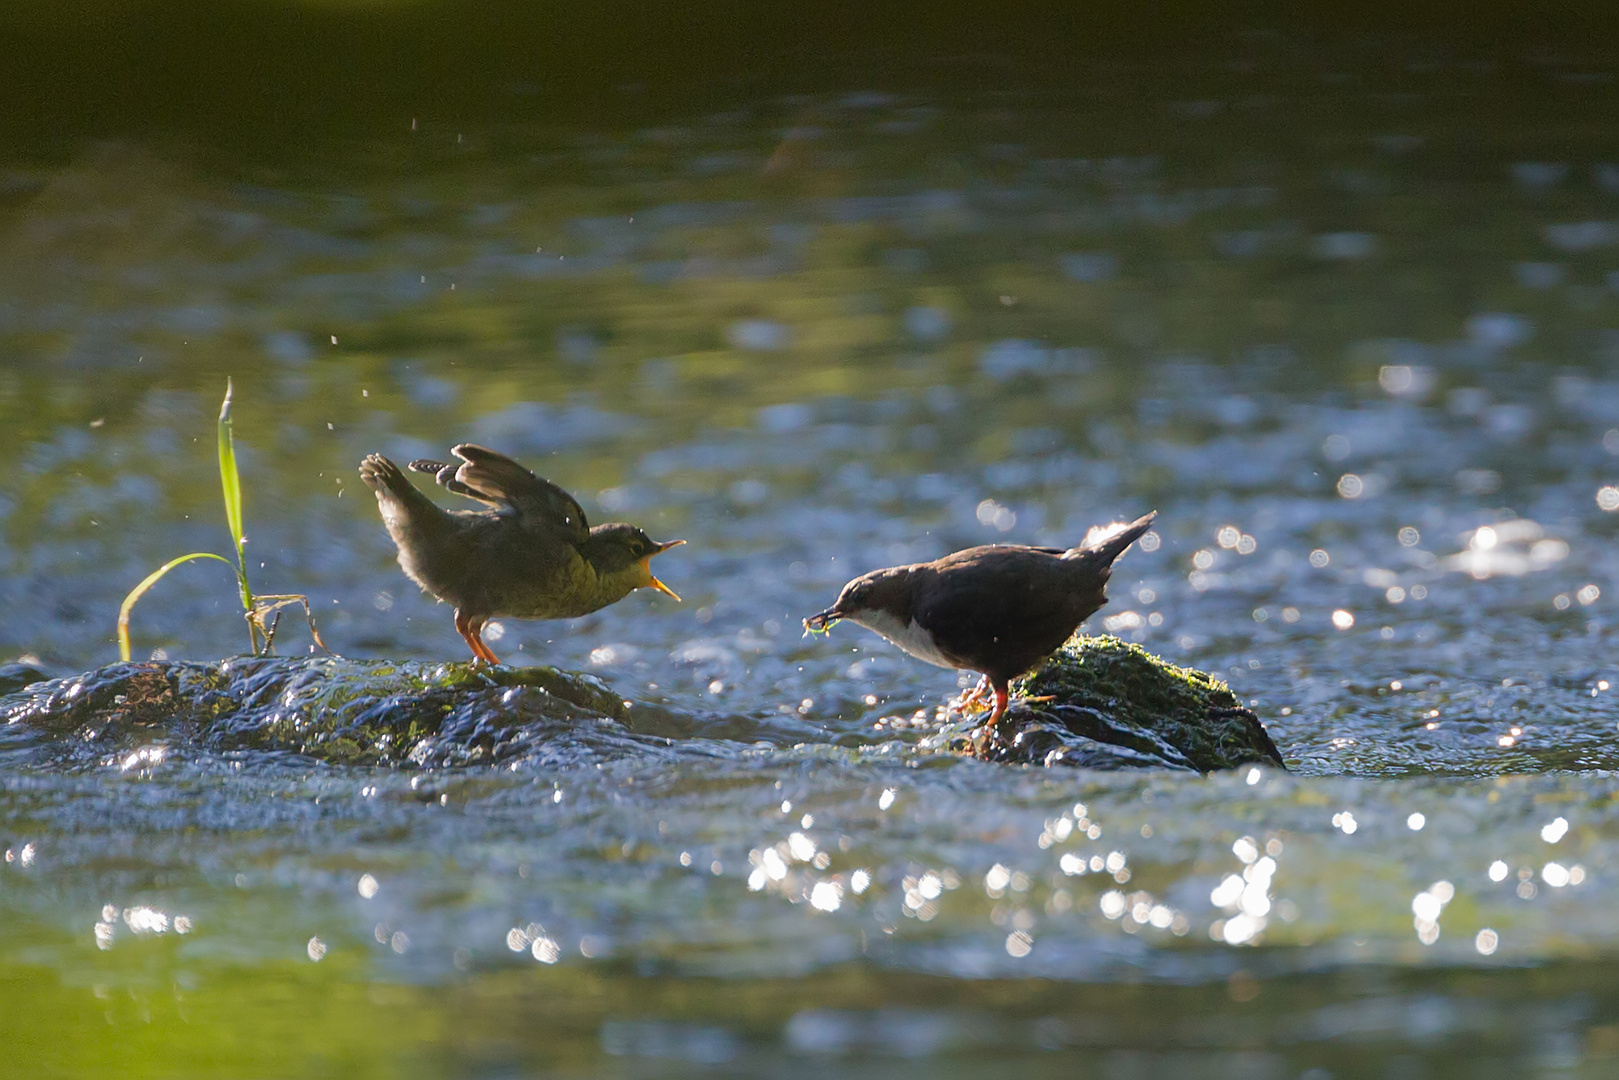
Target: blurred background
820,290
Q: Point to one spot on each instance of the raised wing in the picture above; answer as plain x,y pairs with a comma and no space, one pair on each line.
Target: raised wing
499,481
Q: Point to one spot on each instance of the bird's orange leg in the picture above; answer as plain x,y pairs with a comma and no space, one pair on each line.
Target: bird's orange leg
463,628
477,637
471,632
1002,695
984,738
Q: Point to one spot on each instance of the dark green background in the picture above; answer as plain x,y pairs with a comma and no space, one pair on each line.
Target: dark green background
248,69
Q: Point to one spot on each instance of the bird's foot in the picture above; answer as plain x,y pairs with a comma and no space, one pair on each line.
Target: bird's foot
973,701
997,729
969,707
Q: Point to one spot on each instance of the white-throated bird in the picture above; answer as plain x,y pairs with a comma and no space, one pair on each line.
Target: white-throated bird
998,609
529,555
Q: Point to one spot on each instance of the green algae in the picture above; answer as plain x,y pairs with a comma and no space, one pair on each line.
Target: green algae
1109,702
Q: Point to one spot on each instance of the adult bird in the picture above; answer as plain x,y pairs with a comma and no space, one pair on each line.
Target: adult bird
528,554
998,609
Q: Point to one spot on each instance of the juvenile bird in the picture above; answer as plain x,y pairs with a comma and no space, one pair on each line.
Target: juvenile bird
530,554
998,609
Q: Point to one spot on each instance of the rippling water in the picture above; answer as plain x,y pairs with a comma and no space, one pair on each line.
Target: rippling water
1346,320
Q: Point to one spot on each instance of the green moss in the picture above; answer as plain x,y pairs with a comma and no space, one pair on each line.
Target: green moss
1127,680
1109,701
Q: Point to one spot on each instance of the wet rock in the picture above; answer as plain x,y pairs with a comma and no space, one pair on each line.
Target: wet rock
16,676
1114,705
369,712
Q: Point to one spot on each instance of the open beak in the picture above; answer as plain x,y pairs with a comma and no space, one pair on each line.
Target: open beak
820,624
653,582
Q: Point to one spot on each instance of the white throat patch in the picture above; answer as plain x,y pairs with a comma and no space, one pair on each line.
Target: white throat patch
913,639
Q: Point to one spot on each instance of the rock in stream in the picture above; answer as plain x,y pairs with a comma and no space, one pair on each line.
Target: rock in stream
1115,705
366,712
1112,706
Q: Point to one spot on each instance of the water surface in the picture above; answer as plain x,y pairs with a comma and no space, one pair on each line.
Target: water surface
1345,318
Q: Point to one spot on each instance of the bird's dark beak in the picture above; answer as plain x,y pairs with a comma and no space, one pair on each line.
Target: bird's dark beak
652,581
820,624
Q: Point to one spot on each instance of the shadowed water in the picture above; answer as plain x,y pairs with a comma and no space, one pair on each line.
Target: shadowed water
1346,321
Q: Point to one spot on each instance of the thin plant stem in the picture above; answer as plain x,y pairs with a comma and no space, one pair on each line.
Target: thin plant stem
230,483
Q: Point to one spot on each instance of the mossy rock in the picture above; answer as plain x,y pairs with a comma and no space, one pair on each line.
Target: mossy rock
1113,704
368,712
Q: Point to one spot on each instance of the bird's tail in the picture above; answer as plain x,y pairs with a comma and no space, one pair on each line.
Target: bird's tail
1105,543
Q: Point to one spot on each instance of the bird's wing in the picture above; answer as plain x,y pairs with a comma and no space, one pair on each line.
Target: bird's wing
999,591
498,480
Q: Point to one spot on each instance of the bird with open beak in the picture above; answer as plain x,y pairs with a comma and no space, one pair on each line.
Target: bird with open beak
529,554
998,609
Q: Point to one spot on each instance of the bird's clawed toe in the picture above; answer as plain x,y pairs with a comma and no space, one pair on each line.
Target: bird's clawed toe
972,700
995,729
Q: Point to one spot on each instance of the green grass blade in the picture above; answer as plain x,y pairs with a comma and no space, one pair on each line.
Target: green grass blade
230,483
140,590
230,480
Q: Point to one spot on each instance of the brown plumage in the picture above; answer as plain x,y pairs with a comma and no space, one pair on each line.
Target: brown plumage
530,554
998,610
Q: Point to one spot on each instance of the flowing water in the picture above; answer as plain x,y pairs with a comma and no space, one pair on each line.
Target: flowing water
1348,320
